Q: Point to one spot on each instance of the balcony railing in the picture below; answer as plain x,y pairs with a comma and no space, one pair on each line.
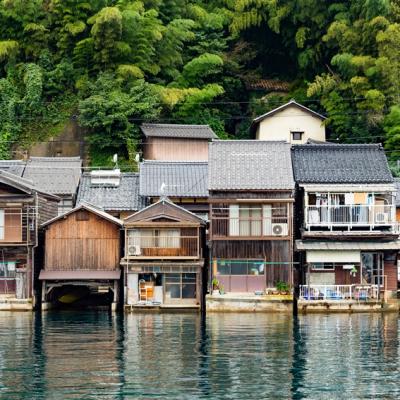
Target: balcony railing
349,215
339,292
249,227
164,247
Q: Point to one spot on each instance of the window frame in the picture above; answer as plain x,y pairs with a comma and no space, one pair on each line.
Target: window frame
300,133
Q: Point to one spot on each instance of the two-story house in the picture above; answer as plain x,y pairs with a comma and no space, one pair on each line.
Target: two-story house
164,261
81,258
22,209
175,142
346,215
251,212
183,182
291,122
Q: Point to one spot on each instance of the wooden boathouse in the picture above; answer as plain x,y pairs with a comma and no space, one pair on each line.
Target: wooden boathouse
81,257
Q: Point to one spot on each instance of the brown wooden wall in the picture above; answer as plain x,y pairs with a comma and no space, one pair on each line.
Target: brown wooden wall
270,250
13,226
391,275
173,149
71,244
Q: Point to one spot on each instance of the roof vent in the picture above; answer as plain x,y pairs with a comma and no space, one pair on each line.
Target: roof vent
110,178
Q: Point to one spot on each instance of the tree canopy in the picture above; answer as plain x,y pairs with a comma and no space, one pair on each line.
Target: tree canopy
118,63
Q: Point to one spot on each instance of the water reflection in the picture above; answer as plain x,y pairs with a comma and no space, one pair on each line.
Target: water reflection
97,355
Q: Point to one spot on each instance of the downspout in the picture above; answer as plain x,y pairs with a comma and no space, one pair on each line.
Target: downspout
34,247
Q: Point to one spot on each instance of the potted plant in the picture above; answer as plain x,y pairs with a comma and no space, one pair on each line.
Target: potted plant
215,286
282,287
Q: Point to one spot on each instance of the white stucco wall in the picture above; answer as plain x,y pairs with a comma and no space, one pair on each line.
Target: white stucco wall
280,125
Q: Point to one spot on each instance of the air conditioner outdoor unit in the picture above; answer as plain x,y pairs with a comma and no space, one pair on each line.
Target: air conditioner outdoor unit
381,218
134,250
279,229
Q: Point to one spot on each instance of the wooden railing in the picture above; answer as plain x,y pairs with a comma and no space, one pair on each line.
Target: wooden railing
164,247
349,215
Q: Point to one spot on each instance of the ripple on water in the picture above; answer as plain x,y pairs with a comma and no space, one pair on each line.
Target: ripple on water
97,355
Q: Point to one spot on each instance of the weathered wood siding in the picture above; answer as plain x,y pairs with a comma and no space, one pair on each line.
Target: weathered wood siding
173,149
92,244
48,209
390,271
270,250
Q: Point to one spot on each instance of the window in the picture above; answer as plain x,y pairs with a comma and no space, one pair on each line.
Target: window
150,238
180,286
255,219
297,135
7,269
64,205
240,267
323,266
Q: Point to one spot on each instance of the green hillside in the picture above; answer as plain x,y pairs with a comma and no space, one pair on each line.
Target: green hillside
115,64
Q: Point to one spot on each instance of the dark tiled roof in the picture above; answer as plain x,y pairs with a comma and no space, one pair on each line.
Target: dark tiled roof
270,85
250,165
57,175
179,131
23,184
397,184
180,178
15,167
340,163
124,197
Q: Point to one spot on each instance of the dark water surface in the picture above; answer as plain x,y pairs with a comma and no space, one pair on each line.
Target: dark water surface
97,355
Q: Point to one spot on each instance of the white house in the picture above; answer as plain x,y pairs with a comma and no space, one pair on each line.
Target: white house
291,122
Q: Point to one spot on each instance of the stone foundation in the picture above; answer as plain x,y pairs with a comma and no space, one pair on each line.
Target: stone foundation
249,303
349,306
13,304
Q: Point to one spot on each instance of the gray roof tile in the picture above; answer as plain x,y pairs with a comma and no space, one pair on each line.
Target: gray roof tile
397,184
181,178
250,165
178,131
57,175
15,167
340,163
124,197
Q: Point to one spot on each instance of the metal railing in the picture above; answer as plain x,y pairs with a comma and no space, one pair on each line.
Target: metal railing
7,285
350,215
339,292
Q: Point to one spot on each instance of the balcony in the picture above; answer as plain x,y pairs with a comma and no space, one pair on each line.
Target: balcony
249,227
163,247
350,216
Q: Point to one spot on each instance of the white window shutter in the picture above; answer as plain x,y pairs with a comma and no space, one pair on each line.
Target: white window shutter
234,220
267,220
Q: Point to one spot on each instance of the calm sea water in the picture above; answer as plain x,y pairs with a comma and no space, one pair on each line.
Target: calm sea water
97,355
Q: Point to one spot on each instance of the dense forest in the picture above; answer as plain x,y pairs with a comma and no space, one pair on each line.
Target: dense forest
115,64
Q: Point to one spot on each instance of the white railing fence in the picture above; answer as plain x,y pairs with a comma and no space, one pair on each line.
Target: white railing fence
350,215
338,292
